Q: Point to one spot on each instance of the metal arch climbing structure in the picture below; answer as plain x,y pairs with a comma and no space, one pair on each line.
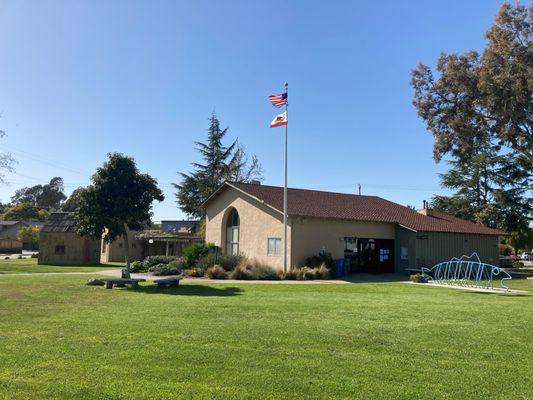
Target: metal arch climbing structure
467,271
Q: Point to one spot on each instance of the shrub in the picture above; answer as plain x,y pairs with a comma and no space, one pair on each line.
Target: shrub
166,269
35,255
323,272
242,272
216,272
291,275
264,272
253,269
506,251
151,261
518,264
137,266
323,258
419,278
306,274
195,251
194,272
228,262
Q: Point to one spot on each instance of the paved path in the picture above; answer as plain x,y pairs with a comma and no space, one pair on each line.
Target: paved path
48,273
354,278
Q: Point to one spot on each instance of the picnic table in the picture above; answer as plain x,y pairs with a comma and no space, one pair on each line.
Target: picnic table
121,282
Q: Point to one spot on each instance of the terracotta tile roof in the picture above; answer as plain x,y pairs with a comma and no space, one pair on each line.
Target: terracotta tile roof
318,204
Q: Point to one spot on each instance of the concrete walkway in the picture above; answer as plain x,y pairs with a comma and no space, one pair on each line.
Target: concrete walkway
354,278
48,273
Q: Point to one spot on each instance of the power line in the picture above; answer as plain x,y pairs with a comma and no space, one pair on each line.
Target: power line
43,160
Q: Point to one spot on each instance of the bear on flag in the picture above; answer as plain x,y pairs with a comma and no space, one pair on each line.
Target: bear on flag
279,120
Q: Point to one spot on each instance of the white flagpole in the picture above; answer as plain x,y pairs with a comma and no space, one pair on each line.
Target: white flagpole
285,187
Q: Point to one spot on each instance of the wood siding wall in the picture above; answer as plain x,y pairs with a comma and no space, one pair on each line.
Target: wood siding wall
435,247
10,245
78,250
425,249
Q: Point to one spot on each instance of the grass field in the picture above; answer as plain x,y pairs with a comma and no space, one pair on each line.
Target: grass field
29,265
60,339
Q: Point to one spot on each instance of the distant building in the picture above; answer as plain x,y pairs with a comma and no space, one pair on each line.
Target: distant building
115,251
180,226
170,240
8,236
59,244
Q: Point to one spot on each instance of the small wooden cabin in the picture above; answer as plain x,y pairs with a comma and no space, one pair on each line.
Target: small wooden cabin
59,243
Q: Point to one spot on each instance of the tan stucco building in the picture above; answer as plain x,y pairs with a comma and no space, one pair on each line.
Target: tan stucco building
372,234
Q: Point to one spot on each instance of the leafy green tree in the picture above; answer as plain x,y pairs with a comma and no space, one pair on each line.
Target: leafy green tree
522,240
73,202
49,196
219,163
29,234
478,108
475,95
24,211
119,199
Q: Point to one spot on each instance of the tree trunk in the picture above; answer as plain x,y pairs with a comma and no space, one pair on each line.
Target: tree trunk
126,251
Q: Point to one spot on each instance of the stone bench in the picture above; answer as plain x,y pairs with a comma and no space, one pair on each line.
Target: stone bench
167,282
121,282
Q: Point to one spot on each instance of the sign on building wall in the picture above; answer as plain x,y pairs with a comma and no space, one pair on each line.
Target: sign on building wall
404,253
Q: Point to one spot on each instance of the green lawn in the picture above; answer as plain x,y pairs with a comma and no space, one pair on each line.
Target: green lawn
60,339
29,265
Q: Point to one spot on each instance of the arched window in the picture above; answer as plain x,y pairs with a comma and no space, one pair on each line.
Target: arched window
232,233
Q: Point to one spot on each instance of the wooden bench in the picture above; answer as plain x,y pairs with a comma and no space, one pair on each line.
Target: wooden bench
121,282
167,282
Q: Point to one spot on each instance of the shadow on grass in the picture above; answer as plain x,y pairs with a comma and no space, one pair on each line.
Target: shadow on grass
499,294
191,290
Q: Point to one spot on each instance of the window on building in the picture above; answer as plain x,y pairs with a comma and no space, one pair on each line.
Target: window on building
232,233
274,246
60,249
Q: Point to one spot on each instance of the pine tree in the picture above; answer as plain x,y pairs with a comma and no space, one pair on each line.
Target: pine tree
219,163
489,188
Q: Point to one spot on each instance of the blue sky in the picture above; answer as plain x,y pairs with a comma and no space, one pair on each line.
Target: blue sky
79,79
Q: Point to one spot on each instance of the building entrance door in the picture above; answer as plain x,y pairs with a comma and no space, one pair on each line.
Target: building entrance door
369,255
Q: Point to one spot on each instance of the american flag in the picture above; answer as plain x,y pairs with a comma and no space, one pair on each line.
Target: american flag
278,100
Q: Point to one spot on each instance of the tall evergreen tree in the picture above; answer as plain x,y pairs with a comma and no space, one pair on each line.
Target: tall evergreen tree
478,108
219,163
489,188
